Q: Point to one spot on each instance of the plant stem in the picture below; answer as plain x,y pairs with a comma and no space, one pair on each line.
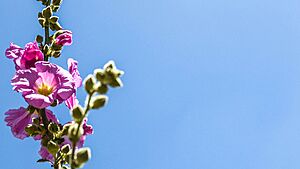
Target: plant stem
74,143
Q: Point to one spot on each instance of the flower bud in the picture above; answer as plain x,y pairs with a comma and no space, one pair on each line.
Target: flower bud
98,101
73,136
99,74
39,39
101,88
89,83
42,21
83,155
32,130
47,12
65,149
52,147
57,2
36,121
54,19
53,128
77,113
56,54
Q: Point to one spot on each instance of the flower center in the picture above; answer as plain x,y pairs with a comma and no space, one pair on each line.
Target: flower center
45,89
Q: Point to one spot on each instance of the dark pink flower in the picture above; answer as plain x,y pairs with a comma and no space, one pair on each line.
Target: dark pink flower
45,154
24,58
42,85
31,55
14,51
20,118
64,39
73,69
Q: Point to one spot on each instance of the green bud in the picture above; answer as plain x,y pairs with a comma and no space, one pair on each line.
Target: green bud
47,12
46,49
55,8
116,83
55,26
98,101
52,147
42,21
89,83
73,136
32,130
83,155
40,15
101,88
65,149
36,121
65,167
53,128
57,2
77,113
56,54
39,39
99,74
54,19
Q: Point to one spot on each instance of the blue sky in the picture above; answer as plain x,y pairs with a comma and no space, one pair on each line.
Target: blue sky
209,84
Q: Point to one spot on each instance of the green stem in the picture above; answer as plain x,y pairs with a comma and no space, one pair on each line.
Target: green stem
87,108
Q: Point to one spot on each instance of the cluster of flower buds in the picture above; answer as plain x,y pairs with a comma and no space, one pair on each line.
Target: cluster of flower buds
44,85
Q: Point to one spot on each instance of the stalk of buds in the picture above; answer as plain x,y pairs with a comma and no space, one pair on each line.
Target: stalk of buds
44,85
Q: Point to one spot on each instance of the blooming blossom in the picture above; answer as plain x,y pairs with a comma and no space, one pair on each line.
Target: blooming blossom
64,39
42,85
73,69
19,119
24,58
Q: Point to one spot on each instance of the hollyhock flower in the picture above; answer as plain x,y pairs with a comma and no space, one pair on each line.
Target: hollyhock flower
73,69
42,85
19,119
64,38
24,58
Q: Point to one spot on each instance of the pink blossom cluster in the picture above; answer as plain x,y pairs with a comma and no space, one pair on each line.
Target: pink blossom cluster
42,84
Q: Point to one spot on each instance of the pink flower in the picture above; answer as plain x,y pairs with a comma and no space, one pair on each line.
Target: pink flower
73,69
20,118
14,51
42,85
45,154
24,58
64,39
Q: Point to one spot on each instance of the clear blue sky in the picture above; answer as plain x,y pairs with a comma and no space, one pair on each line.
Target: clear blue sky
209,84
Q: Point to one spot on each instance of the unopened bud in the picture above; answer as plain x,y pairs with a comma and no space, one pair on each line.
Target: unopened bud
39,39
53,127
77,113
83,155
89,83
54,19
99,74
65,149
52,147
102,88
47,12
72,132
98,101
42,21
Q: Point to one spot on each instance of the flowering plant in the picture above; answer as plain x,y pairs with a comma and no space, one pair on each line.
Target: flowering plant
44,84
